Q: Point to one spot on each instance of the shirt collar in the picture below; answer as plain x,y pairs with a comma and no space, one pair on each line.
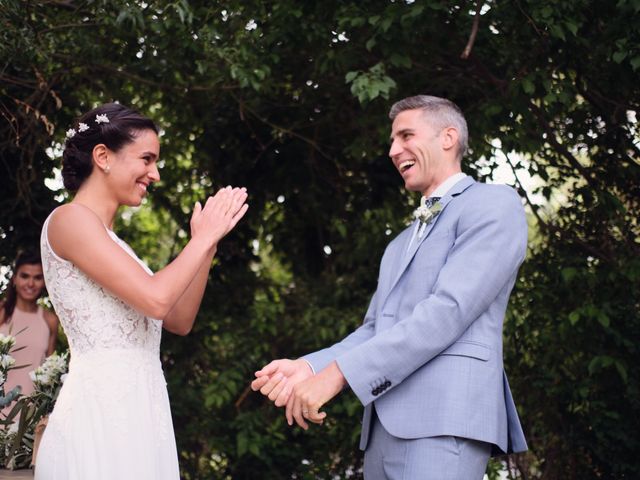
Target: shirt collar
447,185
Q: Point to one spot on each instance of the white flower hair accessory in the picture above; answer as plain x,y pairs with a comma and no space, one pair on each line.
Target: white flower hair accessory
83,127
70,133
102,118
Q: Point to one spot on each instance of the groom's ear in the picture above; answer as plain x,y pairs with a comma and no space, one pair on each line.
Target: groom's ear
450,137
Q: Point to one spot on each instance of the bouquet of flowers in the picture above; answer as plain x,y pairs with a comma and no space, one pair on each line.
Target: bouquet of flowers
8,429
47,380
7,362
19,439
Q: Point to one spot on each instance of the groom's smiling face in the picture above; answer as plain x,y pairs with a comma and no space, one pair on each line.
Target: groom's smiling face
419,151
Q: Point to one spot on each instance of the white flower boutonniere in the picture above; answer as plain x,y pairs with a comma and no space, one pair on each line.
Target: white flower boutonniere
426,214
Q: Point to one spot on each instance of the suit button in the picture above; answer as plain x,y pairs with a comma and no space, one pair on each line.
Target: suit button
387,384
375,392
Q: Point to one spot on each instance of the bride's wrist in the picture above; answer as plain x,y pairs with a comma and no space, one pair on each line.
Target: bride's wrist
204,243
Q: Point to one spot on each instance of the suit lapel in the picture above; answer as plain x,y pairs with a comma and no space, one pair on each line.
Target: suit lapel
405,257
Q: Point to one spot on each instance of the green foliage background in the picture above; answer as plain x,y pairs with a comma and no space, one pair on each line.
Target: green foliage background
289,99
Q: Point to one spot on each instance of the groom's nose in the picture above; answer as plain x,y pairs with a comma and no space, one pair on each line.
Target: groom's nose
395,149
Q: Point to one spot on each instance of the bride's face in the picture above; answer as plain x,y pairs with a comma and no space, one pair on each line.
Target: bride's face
134,168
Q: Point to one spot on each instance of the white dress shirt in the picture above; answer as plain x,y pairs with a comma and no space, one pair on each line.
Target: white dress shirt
439,192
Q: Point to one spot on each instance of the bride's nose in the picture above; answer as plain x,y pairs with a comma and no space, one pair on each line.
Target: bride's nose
154,173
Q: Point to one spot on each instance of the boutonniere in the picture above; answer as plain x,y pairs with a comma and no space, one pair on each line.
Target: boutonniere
426,214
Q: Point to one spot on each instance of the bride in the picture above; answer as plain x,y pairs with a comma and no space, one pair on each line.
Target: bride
112,417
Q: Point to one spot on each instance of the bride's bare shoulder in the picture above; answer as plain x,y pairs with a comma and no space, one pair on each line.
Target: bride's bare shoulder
73,224
73,214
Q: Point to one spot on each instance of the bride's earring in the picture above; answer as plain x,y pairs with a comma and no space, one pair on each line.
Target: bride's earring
107,169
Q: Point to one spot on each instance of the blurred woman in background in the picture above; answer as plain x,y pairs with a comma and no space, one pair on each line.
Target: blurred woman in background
35,328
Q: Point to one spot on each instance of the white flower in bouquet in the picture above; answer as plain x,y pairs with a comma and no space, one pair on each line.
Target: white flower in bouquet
6,342
47,382
58,363
40,377
48,375
7,361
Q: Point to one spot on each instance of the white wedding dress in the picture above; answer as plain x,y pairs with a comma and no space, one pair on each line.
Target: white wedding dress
112,418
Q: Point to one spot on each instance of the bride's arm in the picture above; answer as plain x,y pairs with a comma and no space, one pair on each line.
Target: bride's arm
77,234
181,317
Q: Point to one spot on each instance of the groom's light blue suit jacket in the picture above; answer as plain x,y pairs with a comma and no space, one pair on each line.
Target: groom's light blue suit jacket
429,353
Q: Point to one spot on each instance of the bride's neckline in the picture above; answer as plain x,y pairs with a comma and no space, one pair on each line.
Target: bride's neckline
96,214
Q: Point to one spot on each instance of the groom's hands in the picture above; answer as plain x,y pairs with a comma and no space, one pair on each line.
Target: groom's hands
277,379
292,383
311,394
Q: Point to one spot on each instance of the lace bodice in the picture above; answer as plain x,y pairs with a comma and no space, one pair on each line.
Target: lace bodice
92,317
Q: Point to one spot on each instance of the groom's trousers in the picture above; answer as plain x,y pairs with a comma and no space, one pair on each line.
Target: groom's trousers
432,458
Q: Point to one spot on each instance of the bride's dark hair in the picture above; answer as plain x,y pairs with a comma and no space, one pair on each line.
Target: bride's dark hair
120,128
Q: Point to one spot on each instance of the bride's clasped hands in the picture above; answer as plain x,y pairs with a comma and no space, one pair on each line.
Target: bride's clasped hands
219,215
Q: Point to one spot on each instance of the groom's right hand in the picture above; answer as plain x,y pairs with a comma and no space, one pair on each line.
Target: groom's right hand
277,379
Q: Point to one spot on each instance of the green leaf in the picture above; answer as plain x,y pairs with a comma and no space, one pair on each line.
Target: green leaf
574,317
622,371
351,76
370,43
594,365
493,109
604,319
619,56
242,444
398,60
557,31
568,274
572,27
528,86
386,24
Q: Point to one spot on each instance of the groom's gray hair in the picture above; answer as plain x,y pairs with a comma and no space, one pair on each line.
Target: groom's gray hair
441,113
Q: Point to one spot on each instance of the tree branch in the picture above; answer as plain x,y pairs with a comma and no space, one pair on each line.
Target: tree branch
243,396
533,206
280,128
474,32
67,26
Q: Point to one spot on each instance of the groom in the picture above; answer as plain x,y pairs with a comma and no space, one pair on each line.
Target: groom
427,361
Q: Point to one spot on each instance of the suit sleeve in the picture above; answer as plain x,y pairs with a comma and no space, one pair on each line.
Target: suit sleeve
320,359
489,247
